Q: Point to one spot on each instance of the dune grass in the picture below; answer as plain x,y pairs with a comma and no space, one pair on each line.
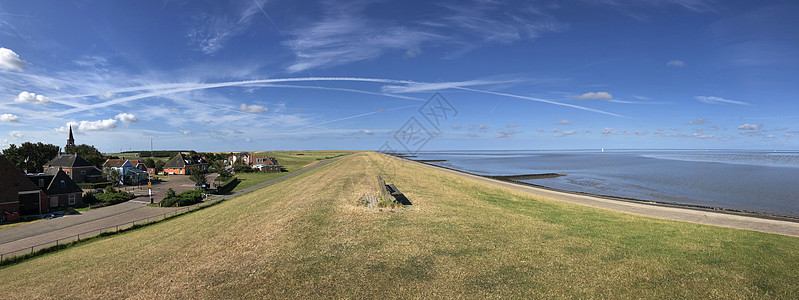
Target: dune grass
307,238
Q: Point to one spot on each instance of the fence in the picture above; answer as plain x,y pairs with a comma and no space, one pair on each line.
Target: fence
109,229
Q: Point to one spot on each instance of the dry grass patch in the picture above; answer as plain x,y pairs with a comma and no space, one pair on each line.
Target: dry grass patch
307,237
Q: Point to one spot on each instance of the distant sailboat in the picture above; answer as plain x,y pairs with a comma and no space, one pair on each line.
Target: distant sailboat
603,149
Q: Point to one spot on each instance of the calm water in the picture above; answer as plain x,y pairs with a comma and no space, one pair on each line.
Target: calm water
749,180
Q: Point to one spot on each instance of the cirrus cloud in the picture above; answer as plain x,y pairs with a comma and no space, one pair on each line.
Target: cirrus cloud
676,63
718,100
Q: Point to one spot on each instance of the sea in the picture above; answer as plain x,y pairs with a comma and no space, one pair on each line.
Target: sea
759,181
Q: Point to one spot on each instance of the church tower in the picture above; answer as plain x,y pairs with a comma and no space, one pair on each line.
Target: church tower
70,140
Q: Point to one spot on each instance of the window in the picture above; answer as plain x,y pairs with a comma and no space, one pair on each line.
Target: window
41,182
63,183
71,199
82,172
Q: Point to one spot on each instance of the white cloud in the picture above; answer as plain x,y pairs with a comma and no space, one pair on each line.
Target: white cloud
563,122
16,135
456,127
367,132
255,108
611,131
675,63
791,133
514,125
718,100
32,98
9,118
750,127
126,118
566,133
185,132
502,133
98,125
641,132
595,96
482,127
699,121
9,60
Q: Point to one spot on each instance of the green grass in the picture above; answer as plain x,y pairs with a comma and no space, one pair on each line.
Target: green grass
308,238
290,161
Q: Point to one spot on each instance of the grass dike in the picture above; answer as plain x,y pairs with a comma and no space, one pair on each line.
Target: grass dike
309,237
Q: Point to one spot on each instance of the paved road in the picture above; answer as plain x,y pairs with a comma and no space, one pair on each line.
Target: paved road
659,211
46,231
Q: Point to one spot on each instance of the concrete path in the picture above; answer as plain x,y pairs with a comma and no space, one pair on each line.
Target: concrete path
44,233
652,210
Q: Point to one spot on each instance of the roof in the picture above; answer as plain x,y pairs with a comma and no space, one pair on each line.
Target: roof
11,181
182,160
115,163
68,161
54,187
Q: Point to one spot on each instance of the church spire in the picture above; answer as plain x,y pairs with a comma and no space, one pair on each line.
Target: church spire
70,140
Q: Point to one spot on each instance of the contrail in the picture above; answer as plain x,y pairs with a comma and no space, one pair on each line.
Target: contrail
540,100
201,86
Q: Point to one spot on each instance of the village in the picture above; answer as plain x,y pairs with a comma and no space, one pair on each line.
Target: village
68,180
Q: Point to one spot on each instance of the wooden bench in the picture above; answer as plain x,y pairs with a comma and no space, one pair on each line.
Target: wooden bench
388,191
394,191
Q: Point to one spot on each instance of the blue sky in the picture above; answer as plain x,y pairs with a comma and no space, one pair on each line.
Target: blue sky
264,75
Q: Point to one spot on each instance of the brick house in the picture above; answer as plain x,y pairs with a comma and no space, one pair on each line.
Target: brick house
77,168
18,194
182,164
244,158
265,164
59,190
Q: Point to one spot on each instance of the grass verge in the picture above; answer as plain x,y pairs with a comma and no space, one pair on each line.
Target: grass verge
307,237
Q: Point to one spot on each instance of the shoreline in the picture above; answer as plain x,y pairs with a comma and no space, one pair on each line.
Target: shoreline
510,179
762,222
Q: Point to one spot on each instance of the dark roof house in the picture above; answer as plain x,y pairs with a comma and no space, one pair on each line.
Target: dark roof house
77,168
59,188
17,192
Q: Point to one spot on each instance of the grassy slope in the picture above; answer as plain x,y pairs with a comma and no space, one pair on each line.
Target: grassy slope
289,161
306,238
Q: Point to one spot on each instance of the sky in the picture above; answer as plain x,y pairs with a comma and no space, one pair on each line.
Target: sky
401,75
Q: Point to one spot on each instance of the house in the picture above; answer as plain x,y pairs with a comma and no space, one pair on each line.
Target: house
182,163
241,157
77,168
132,171
138,165
265,164
59,190
18,194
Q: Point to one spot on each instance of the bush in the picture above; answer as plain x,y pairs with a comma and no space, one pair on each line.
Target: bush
91,186
111,198
243,169
89,198
183,199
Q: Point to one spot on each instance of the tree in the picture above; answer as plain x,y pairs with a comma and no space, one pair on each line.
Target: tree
149,162
31,157
159,165
113,175
87,152
198,176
